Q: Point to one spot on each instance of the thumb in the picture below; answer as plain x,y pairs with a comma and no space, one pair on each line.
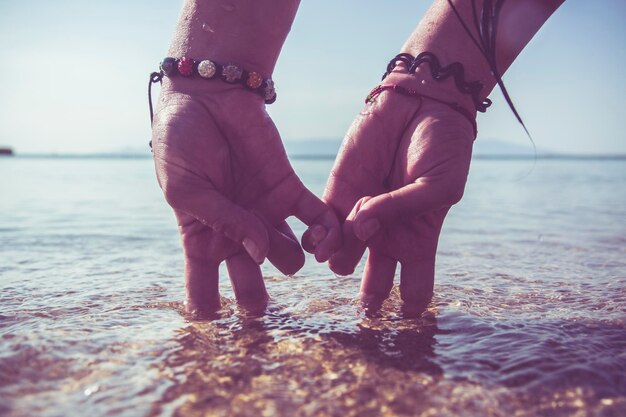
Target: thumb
412,200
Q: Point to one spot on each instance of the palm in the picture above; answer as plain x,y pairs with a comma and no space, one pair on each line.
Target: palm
405,169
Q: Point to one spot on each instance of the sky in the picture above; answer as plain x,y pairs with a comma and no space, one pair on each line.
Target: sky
75,73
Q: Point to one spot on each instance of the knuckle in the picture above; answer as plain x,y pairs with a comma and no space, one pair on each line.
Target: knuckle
224,225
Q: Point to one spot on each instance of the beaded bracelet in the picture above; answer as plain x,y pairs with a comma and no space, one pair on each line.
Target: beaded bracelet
230,73
209,70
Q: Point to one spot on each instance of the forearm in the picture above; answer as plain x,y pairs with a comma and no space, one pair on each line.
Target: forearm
247,33
441,33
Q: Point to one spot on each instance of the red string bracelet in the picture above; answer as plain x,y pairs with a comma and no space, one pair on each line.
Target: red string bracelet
415,94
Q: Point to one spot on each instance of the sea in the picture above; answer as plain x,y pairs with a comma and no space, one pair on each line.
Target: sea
528,317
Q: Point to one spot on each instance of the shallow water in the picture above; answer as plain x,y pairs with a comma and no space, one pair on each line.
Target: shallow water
528,319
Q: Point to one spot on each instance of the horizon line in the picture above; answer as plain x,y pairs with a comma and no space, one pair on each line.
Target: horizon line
323,156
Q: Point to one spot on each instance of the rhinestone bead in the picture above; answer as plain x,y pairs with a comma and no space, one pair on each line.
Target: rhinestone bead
254,80
185,66
270,91
231,73
168,66
206,69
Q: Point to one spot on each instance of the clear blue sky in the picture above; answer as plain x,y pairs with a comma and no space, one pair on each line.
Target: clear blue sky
74,72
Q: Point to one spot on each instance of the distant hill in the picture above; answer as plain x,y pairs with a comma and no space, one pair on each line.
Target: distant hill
328,148
496,147
312,148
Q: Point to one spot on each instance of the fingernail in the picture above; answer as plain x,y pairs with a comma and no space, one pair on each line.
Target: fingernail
368,228
253,250
318,233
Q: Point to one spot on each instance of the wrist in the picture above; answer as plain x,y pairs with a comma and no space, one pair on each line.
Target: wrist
445,34
441,33
423,83
249,35
205,70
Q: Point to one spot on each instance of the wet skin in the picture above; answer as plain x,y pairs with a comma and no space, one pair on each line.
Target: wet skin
403,163
222,167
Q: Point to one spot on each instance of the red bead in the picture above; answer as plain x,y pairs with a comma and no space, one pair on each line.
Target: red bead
254,80
185,66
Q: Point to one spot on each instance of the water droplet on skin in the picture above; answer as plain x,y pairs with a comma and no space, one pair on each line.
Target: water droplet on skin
91,390
206,27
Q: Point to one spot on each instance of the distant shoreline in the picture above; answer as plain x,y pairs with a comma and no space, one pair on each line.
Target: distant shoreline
325,149
323,156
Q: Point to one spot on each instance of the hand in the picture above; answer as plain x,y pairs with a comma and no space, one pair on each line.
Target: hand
403,163
222,167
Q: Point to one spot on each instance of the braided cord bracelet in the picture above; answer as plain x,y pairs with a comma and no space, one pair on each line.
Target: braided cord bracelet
441,73
415,94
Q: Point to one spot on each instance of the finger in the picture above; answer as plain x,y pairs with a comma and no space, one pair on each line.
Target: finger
201,271
416,284
194,195
285,252
312,237
202,288
377,280
247,280
266,155
345,260
324,235
410,201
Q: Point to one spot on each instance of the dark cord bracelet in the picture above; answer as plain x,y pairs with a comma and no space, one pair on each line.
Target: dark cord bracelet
415,94
441,73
